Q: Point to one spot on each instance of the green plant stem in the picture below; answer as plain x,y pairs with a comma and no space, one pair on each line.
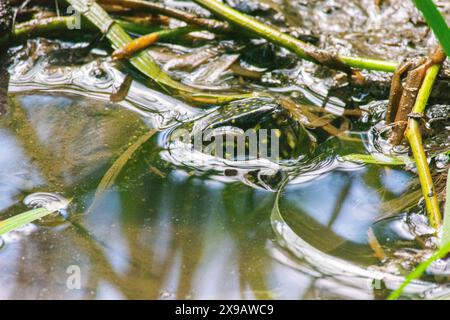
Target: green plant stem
152,7
136,28
370,159
302,49
155,8
44,27
414,137
57,25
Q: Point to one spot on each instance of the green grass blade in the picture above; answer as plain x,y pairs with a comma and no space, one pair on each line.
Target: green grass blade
116,168
439,254
113,172
436,22
419,270
370,159
22,219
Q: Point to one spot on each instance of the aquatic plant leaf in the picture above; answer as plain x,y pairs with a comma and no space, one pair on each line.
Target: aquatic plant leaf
436,22
22,219
370,159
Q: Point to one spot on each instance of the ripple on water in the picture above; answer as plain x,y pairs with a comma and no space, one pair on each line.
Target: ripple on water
35,68
223,127
49,201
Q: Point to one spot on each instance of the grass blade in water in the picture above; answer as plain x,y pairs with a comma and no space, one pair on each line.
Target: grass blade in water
370,159
113,172
22,219
419,270
442,252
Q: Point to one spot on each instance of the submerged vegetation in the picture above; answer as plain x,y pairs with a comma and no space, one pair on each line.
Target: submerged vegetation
348,110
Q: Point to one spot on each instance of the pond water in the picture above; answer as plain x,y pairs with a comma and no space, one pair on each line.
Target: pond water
164,232
169,222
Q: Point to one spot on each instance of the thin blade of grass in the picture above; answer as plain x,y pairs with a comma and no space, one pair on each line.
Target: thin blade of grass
113,172
439,254
370,159
419,270
436,22
22,219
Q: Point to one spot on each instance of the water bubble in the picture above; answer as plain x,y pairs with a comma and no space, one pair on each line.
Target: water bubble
442,161
378,141
99,73
49,201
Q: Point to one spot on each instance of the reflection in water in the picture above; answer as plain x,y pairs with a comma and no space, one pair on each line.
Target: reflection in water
346,276
173,235
16,172
150,237
162,230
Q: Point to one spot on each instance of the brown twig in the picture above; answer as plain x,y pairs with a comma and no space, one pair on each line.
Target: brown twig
402,98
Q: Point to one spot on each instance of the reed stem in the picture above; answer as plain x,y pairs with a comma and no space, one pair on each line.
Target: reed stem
152,7
414,137
303,50
44,27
